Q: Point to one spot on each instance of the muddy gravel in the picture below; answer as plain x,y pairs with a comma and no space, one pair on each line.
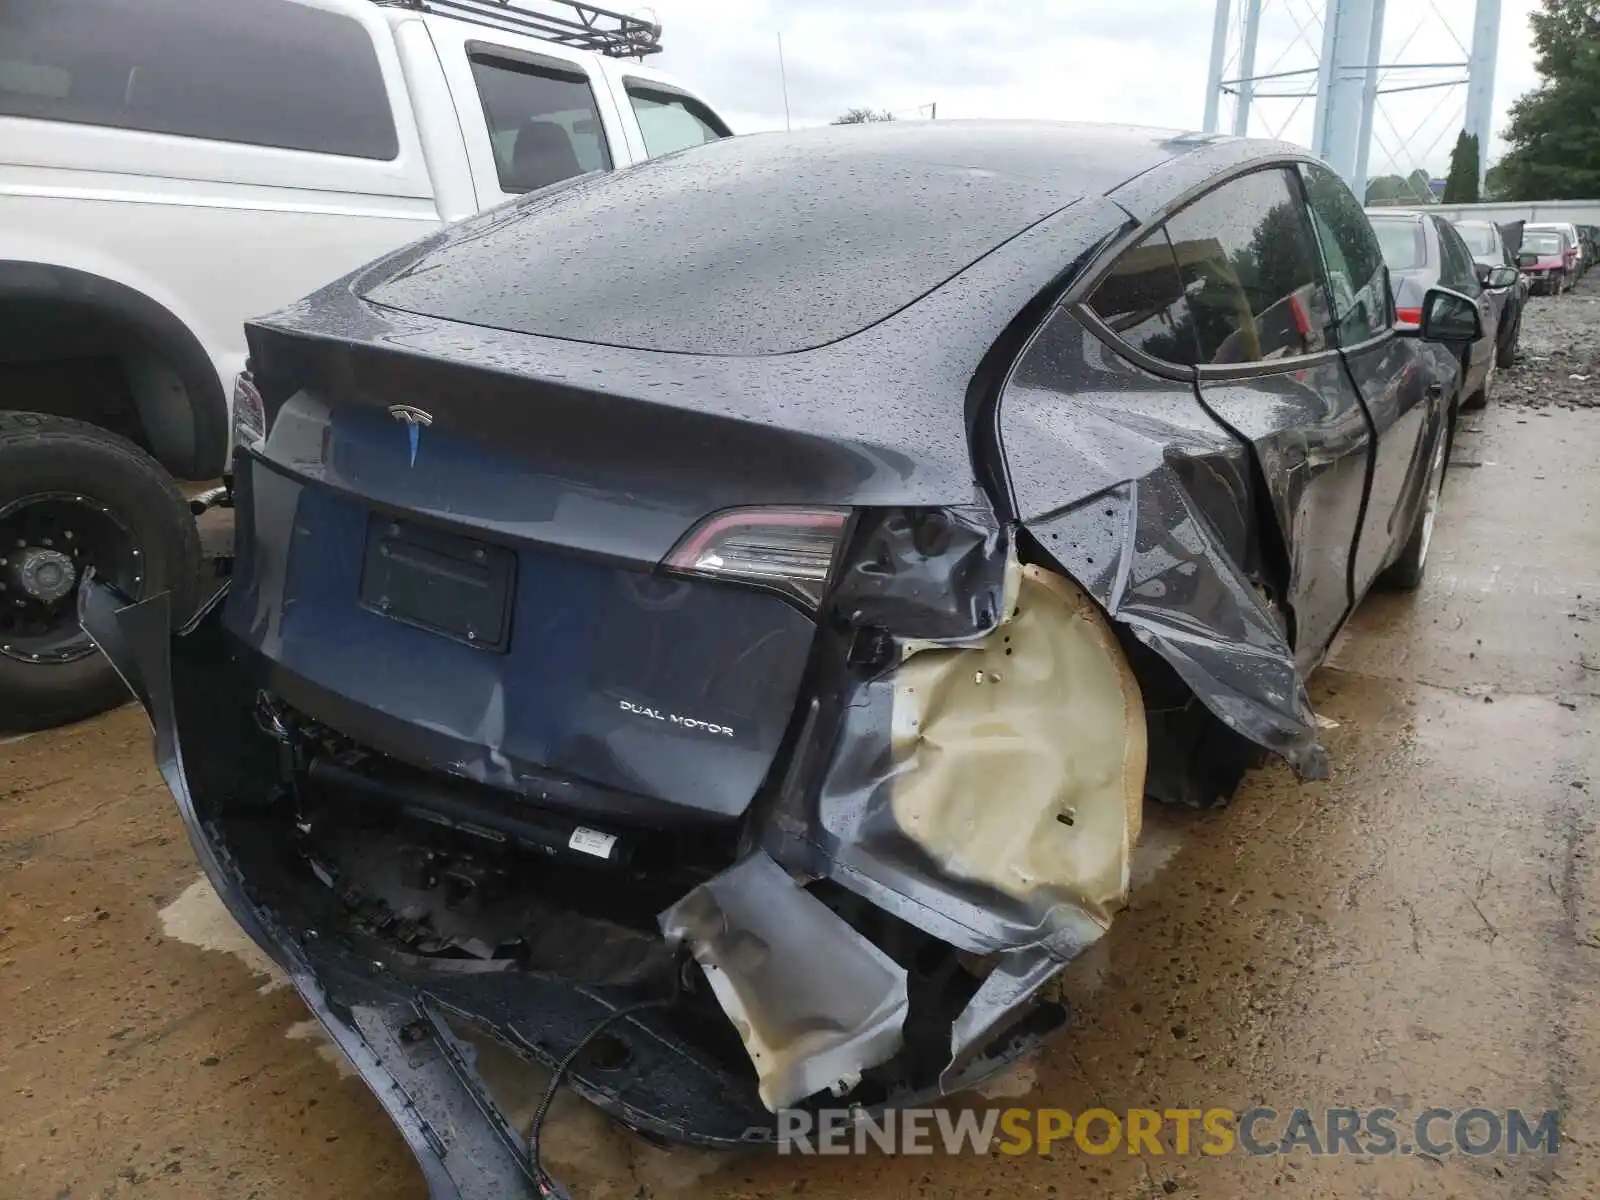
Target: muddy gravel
1559,363
1421,930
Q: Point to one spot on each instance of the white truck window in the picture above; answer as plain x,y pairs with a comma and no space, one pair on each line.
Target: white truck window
670,120
543,123
260,72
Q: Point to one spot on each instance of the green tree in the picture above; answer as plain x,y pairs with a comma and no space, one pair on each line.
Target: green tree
1461,185
862,116
1555,129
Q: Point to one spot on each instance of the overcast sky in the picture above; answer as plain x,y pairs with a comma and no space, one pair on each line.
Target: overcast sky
1141,61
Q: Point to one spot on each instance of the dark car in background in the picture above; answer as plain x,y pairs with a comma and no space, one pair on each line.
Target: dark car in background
1550,257
1424,251
1492,253
710,627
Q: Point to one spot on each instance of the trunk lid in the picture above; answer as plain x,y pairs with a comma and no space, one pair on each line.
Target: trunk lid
472,581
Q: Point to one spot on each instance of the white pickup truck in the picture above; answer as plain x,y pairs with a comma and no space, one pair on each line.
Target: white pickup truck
170,168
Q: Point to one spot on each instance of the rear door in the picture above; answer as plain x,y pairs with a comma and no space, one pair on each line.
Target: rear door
1268,367
1398,378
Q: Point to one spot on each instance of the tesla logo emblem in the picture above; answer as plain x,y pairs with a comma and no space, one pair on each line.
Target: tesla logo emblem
413,419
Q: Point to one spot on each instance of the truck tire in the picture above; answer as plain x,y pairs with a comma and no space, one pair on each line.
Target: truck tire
73,496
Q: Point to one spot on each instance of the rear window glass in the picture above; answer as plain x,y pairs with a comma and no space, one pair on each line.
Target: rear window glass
1456,270
543,123
260,72
1479,238
670,121
759,245
1401,242
1542,243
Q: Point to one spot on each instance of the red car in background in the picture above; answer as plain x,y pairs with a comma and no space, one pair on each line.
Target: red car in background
1549,259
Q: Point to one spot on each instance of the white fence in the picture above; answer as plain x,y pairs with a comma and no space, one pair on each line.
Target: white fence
1578,212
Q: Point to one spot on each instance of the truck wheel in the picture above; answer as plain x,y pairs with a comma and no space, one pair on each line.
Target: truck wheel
73,496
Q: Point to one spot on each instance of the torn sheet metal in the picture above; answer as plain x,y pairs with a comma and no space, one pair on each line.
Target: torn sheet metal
814,1002
1026,759
925,573
1013,984
1126,482
957,767
1021,761
1145,552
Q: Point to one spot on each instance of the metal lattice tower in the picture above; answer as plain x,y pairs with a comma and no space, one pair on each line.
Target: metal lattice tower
1352,58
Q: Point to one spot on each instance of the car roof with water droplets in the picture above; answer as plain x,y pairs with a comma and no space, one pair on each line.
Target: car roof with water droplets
765,244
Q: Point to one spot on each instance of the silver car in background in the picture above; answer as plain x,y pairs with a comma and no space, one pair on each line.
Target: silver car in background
1423,250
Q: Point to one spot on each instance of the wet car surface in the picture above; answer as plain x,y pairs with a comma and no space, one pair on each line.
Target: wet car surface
1317,944
540,706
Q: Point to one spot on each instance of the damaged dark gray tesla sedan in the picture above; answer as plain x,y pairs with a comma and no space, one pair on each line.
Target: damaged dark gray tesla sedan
710,627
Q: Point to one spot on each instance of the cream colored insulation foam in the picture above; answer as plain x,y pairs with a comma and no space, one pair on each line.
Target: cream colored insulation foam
1020,759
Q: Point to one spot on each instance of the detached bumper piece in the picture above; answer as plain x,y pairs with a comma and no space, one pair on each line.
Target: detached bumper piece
761,940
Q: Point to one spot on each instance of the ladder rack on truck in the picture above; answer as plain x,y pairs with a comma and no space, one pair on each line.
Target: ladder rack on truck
565,22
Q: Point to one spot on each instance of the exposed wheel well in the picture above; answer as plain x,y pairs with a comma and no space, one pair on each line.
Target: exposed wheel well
76,345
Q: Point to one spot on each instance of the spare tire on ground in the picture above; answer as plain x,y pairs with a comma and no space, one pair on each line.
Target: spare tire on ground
72,498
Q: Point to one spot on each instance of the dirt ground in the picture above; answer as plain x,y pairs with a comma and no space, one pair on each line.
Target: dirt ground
1423,929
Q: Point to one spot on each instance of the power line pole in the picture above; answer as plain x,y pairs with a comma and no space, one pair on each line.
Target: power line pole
1369,103
1480,79
1247,68
1342,84
783,77
1219,50
1341,67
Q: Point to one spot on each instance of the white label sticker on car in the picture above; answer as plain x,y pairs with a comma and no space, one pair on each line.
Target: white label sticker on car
592,841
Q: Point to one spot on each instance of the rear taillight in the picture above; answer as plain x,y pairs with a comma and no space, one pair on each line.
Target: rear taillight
1408,316
790,550
249,413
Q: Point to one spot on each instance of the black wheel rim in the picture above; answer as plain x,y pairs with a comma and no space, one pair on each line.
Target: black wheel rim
47,542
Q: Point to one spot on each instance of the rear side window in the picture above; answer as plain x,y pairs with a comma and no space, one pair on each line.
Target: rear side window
1457,270
260,72
672,121
543,123
1143,303
1401,241
1478,237
1351,254
1251,272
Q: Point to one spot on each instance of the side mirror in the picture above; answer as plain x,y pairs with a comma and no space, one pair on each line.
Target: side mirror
1450,317
1502,277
